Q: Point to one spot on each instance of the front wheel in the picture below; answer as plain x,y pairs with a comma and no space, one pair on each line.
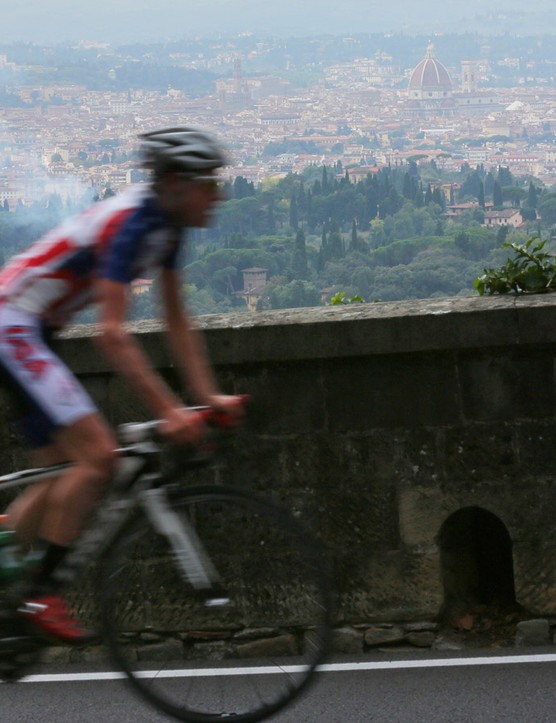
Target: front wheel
239,654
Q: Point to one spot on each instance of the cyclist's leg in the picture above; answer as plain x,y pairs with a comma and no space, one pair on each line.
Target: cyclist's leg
60,422
56,509
25,513
70,498
27,509
64,423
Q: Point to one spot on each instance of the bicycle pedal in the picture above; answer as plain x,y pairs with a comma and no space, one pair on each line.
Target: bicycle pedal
216,602
215,597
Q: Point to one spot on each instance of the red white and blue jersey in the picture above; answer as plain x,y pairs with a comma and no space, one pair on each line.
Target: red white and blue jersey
118,239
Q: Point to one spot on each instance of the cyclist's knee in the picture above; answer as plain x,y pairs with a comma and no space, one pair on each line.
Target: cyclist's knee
103,463
93,448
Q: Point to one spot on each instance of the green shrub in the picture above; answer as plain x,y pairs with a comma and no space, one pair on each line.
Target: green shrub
532,270
341,298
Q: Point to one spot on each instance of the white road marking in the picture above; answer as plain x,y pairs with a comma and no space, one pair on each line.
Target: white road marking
326,668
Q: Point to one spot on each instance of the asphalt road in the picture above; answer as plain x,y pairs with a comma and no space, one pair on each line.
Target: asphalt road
517,686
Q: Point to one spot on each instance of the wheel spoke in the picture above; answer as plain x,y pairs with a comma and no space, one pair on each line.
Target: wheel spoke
273,633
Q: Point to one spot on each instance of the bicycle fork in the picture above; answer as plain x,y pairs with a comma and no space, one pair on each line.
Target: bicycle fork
192,560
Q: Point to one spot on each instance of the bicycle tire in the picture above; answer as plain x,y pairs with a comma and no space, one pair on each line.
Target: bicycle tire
244,661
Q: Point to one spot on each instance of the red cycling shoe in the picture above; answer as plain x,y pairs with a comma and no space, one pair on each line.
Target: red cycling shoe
54,620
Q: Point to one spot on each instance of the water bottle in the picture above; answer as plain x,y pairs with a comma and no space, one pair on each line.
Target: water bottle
12,563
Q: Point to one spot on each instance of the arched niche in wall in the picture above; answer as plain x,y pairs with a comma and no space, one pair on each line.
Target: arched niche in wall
476,563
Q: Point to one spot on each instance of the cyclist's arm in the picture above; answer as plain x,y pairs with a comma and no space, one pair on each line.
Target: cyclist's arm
187,344
127,357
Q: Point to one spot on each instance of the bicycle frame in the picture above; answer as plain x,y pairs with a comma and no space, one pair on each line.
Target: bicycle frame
148,531
137,482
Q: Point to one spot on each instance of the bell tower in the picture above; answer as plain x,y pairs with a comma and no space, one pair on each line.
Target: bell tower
469,70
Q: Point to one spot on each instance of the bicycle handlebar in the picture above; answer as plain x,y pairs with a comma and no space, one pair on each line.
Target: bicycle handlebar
219,418
134,432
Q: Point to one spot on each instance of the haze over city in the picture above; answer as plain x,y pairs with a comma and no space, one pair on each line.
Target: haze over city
384,151
145,20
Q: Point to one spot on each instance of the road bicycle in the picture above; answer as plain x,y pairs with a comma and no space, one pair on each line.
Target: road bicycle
215,602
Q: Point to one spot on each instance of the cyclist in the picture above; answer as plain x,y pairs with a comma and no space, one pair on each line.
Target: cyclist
93,257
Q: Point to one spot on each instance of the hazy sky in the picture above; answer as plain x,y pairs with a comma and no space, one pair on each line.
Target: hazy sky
149,20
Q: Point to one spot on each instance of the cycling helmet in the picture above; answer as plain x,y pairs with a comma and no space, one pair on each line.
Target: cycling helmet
184,149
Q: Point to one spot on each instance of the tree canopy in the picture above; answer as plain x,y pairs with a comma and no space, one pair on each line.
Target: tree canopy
385,236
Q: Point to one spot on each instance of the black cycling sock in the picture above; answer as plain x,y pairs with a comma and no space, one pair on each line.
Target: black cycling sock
42,577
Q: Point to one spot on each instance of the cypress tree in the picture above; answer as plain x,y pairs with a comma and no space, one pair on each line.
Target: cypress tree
420,196
532,196
439,198
489,184
481,195
323,251
300,256
505,177
336,248
407,186
302,199
354,244
294,217
324,180
497,198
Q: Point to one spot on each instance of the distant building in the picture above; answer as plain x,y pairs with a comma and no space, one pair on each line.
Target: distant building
280,119
471,100
469,71
506,217
234,94
455,210
431,91
254,282
141,286
359,173
430,88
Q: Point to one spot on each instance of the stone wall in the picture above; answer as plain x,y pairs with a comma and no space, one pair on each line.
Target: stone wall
417,438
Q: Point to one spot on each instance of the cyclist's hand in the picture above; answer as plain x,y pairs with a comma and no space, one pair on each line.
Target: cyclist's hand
233,406
183,426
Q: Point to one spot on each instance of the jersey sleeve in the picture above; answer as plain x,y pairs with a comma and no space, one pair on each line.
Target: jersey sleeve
136,241
121,246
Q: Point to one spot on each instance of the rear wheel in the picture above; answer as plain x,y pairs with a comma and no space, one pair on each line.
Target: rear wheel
255,644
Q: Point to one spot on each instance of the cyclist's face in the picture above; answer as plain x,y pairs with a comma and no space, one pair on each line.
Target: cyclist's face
191,201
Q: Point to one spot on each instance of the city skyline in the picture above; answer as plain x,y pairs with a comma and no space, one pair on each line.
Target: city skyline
125,21
435,152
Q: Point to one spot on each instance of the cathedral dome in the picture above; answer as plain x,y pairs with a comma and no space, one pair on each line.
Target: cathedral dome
430,76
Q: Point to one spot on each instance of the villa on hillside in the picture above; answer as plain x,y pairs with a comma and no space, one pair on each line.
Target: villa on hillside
505,217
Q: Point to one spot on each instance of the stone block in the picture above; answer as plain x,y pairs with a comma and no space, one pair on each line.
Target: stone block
390,392
474,454
507,384
532,632
422,639
384,635
421,627
171,649
422,513
215,650
281,645
286,398
94,654
347,640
